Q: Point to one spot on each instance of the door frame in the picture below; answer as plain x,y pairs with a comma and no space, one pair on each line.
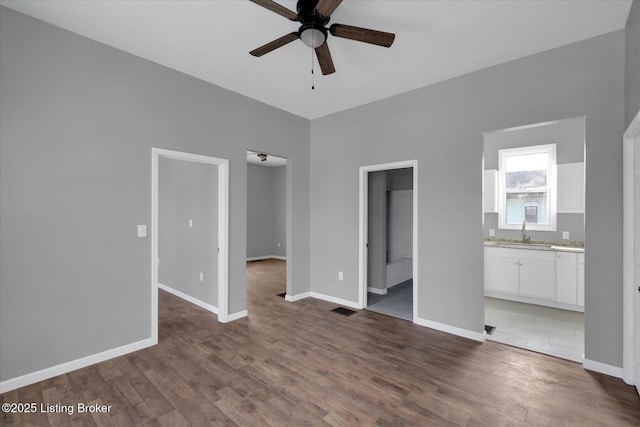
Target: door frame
364,227
223,230
631,139
288,230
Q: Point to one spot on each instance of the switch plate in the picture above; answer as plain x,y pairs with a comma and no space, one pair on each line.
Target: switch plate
201,276
340,275
278,244
142,231
492,232
565,235
190,223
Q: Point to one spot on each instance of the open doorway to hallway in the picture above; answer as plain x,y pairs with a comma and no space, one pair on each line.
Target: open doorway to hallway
389,227
267,213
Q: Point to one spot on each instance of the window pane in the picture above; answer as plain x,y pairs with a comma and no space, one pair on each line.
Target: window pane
526,171
529,205
527,162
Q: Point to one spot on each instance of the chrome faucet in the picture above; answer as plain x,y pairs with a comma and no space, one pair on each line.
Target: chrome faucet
525,239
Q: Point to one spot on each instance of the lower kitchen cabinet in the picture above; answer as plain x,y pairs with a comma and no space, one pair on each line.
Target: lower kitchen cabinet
544,277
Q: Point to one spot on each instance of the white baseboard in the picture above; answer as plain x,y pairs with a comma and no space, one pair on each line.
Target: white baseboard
602,368
262,258
298,297
73,365
335,300
237,315
377,291
189,298
476,336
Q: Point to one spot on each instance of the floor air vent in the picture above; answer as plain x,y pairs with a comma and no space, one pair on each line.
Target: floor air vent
343,311
489,329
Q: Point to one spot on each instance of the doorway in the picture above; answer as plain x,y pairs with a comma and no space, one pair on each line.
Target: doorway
267,215
631,257
194,226
534,232
388,272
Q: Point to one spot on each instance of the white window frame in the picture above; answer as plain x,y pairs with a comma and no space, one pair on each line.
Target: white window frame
552,183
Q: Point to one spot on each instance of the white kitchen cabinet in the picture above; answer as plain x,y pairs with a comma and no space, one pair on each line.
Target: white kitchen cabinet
490,191
501,270
580,281
571,188
567,277
520,272
544,277
538,274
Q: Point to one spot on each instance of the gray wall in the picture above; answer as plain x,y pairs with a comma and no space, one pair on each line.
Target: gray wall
279,211
441,126
569,136
377,230
632,61
260,211
188,191
77,123
266,211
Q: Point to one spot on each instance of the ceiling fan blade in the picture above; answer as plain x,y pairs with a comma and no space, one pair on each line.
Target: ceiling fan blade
324,59
362,34
274,44
326,7
277,8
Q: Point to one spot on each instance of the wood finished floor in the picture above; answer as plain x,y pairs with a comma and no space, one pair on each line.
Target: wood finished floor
296,364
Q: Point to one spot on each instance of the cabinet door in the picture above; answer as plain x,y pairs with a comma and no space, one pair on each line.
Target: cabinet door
490,191
500,271
567,277
538,274
580,280
571,188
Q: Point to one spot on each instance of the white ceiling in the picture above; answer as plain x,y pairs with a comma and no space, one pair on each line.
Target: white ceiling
435,41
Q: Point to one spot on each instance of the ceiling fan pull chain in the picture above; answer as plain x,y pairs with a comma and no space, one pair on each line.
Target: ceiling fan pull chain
313,77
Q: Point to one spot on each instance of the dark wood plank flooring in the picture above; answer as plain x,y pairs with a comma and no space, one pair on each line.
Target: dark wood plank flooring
297,364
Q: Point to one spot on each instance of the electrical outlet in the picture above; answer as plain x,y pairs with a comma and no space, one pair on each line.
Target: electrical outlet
201,276
565,235
340,275
492,232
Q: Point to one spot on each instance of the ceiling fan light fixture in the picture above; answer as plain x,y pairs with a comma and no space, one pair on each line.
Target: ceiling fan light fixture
313,37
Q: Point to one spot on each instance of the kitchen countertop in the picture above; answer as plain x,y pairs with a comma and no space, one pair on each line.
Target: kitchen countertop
537,245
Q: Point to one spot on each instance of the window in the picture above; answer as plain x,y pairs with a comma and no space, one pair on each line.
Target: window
527,187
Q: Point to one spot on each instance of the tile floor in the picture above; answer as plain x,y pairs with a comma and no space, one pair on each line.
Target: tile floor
545,330
398,302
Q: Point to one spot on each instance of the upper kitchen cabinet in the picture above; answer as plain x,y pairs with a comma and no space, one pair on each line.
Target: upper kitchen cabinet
490,193
571,188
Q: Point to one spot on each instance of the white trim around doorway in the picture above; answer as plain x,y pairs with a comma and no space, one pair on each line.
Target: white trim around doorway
629,224
223,230
363,227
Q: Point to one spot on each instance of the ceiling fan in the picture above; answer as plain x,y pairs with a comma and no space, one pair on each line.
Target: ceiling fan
314,15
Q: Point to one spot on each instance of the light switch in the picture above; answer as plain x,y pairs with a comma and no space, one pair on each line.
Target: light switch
340,275
201,276
190,223
565,235
492,232
142,231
